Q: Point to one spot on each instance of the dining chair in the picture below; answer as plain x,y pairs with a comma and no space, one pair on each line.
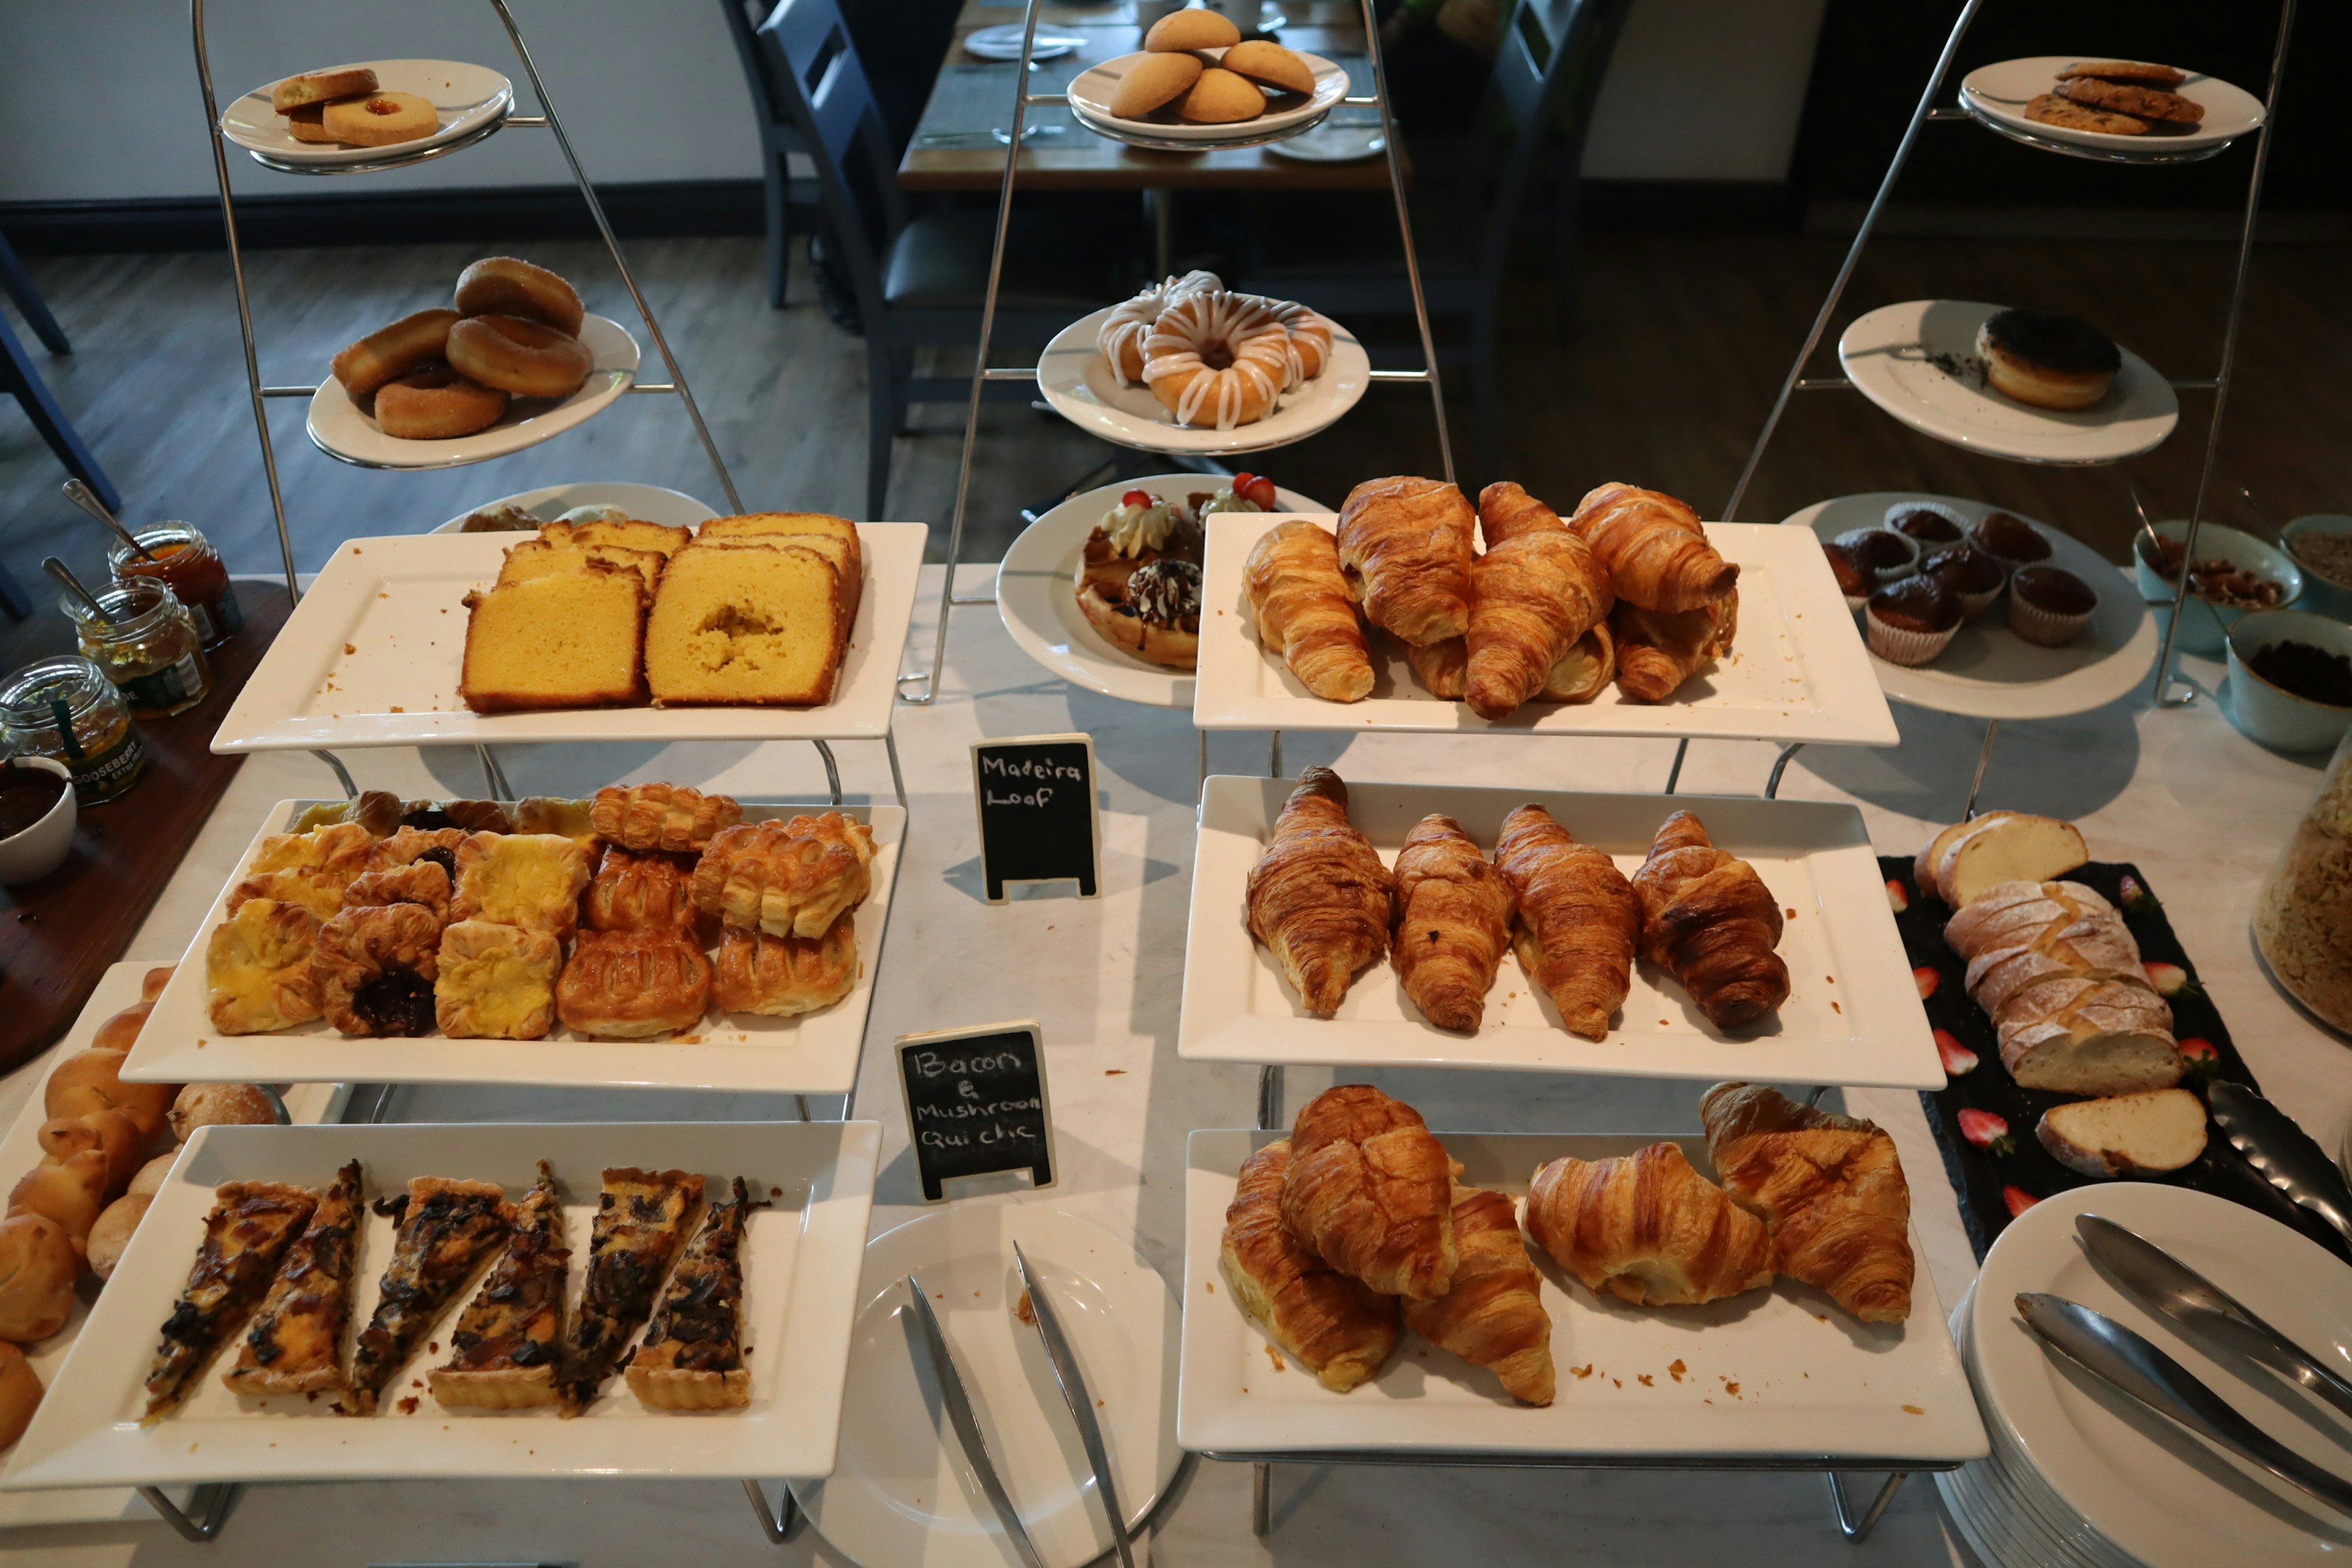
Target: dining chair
920,281
780,140
21,379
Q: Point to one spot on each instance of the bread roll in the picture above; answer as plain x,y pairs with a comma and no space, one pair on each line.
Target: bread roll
113,1231
92,1080
120,1032
151,984
39,1266
221,1105
70,1191
116,1133
20,1394
150,1179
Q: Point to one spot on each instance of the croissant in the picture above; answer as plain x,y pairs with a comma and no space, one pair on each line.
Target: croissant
1405,546
1339,1329
1443,668
1830,1188
1535,591
1653,548
1319,895
1370,1189
1708,919
1648,1229
1657,650
1585,669
1304,611
1578,919
1453,922
1494,1315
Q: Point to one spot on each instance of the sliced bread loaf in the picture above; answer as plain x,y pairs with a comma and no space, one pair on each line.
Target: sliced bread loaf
2125,1135
2007,847
2080,1035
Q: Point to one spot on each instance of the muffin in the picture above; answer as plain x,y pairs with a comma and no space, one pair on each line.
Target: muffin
1928,524
1887,556
1853,582
2049,606
1912,621
2011,540
1968,574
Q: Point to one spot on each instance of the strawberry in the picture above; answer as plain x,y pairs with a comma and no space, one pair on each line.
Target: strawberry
1926,980
2018,1199
1256,490
2134,895
2171,979
1136,498
2203,1060
1986,1131
1959,1060
1896,897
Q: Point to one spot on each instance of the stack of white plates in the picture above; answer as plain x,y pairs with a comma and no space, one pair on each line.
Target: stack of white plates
2081,1476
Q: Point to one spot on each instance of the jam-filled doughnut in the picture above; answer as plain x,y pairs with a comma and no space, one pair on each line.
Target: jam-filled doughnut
508,286
408,343
435,403
522,357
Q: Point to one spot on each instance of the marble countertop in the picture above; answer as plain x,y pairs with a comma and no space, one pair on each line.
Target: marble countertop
2201,809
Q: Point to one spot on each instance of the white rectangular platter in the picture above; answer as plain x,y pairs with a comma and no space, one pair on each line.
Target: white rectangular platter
1781,1378
1853,1015
815,1053
20,1150
1798,670
799,1280
372,654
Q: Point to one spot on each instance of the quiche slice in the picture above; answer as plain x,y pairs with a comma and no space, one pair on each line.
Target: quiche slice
692,1357
448,1227
249,1229
295,1343
640,1218
510,1336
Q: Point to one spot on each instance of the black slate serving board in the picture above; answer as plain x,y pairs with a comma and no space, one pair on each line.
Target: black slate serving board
1981,1177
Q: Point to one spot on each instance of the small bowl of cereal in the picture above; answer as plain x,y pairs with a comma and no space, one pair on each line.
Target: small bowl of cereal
2322,545
2233,574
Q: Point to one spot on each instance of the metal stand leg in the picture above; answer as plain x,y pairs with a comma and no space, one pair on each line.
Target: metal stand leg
343,774
1858,1529
1380,74
1984,758
1772,784
897,780
494,779
1274,755
382,1107
1674,773
1161,200
832,772
800,1101
1815,1097
1269,1098
776,1526
210,1504
1261,1500
1200,739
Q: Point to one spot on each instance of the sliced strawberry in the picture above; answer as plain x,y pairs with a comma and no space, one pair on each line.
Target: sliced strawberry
2134,894
1959,1060
2171,979
1896,897
1926,980
1136,498
1986,1131
1258,489
2018,1199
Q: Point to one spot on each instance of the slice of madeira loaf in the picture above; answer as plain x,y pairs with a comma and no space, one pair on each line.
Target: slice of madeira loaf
625,534
538,558
745,626
2126,1135
834,537
574,639
843,558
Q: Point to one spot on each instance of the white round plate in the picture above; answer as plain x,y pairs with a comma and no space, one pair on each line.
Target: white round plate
2167,1500
902,1492
1331,144
1004,43
1990,672
647,504
1034,600
1998,94
339,429
1092,90
1890,354
473,101
1076,380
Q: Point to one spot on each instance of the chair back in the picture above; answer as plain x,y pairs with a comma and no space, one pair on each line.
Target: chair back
1548,68
743,19
806,65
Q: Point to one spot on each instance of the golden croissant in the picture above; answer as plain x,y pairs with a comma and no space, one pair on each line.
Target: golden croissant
1319,895
1578,919
1443,668
1708,919
1653,548
1371,1190
1493,1316
1304,612
1647,1229
1537,590
1585,670
1405,545
1830,1188
1340,1329
1658,650
1453,922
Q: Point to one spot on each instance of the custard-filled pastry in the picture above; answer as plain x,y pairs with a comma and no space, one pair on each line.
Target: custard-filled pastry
639,892
555,813
409,844
529,879
376,810
661,816
308,869
1647,1229
692,1354
496,982
376,968
1319,897
632,985
305,886
789,878
781,976
422,882
1405,546
1340,1329
259,971
1493,1315
1370,1189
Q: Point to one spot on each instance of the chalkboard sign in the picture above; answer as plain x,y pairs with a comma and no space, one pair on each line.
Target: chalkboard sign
1037,818
976,1104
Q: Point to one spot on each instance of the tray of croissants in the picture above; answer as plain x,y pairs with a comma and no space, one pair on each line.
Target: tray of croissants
654,935
1413,608
1443,925
1364,1284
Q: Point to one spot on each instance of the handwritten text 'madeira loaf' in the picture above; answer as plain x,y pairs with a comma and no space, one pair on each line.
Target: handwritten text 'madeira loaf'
1028,768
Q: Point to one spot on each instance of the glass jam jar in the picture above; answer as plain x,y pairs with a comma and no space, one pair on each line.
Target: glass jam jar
151,653
66,708
186,558
2302,916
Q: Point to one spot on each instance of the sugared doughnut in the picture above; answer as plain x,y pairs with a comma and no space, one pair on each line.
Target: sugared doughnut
1217,359
395,350
505,286
525,358
380,119
318,86
1223,97
1121,337
437,402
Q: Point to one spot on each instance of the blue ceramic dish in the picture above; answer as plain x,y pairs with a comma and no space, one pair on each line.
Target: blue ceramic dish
2271,715
2204,624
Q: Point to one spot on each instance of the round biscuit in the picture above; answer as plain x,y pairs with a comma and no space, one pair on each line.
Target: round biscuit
1153,80
1192,29
1271,64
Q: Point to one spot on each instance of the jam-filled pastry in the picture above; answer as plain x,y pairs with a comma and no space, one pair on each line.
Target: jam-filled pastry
249,1228
631,984
529,879
692,1356
258,974
639,892
295,1343
790,879
447,1227
409,844
422,882
376,968
779,976
496,982
640,1219
555,813
509,1339
465,815
661,816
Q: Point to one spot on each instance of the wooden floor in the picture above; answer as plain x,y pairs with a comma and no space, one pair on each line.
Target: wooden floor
1662,374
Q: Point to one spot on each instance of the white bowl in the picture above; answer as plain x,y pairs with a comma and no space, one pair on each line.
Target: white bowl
29,855
2320,594
2270,714
2204,624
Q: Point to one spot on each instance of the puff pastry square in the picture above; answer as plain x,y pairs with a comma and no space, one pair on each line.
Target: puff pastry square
781,976
527,880
409,844
692,1356
790,879
640,893
496,981
555,813
295,1343
308,869
509,1340
376,967
318,891
631,984
421,882
257,968
661,816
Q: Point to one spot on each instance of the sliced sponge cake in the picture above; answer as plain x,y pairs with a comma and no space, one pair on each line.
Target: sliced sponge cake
733,625
572,639
834,537
538,558
626,534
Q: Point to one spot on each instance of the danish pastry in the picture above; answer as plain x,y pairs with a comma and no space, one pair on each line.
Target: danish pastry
782,976
529,879
661,816
640,893
496,981
376,968
421,882
382,119
631,984
409,844
340,850
257,968
791,879
553,814
469,815
305,886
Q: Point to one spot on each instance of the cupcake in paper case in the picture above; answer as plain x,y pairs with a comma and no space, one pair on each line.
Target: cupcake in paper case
1912,621
1969,575
2049,606
2011,540
1853,582
1886,555
1929,524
